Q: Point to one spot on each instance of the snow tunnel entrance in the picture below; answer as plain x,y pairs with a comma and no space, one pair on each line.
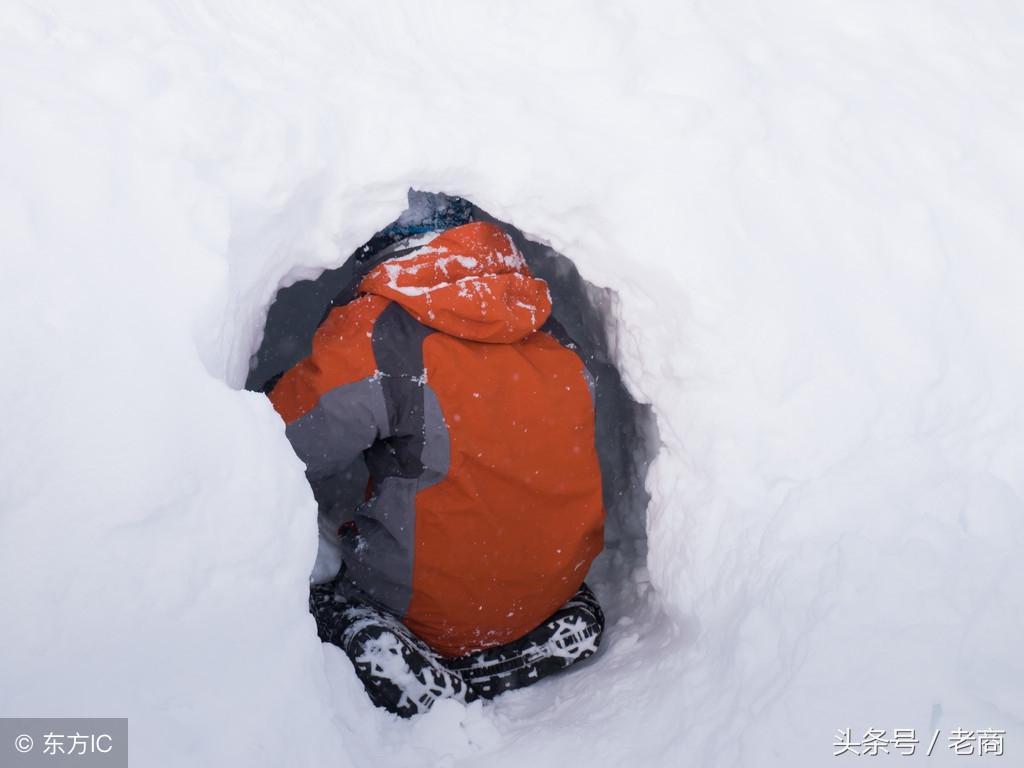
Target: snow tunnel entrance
626,429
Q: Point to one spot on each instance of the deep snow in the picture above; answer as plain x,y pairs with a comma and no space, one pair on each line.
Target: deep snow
810,213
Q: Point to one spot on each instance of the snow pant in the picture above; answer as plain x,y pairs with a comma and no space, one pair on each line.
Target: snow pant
404,675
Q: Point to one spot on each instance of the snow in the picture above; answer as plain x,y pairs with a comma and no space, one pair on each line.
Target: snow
811,216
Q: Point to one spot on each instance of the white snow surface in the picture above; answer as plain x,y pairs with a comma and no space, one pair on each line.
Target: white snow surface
813,216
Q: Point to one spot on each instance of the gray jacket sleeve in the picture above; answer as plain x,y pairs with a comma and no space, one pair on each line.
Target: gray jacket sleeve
345,422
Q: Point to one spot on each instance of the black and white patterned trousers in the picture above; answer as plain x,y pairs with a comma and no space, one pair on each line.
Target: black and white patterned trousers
404,675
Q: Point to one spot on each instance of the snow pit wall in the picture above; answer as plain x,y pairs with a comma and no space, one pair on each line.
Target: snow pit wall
627,432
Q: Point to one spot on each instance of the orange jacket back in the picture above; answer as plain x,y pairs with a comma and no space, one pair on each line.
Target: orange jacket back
476,421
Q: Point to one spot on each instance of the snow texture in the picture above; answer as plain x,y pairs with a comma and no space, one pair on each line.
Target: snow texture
810,214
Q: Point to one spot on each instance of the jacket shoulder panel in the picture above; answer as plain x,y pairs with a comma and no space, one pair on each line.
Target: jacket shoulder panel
342,354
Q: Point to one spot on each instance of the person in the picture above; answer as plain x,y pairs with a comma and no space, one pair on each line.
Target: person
460,574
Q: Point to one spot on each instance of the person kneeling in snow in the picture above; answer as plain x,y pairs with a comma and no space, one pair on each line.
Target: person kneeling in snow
461,575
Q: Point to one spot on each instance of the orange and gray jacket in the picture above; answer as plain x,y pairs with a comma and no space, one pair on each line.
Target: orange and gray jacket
476,420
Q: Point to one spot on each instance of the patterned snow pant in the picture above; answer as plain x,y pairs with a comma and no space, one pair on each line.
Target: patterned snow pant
404,675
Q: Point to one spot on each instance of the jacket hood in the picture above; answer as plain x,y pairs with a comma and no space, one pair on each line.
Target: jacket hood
470,282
